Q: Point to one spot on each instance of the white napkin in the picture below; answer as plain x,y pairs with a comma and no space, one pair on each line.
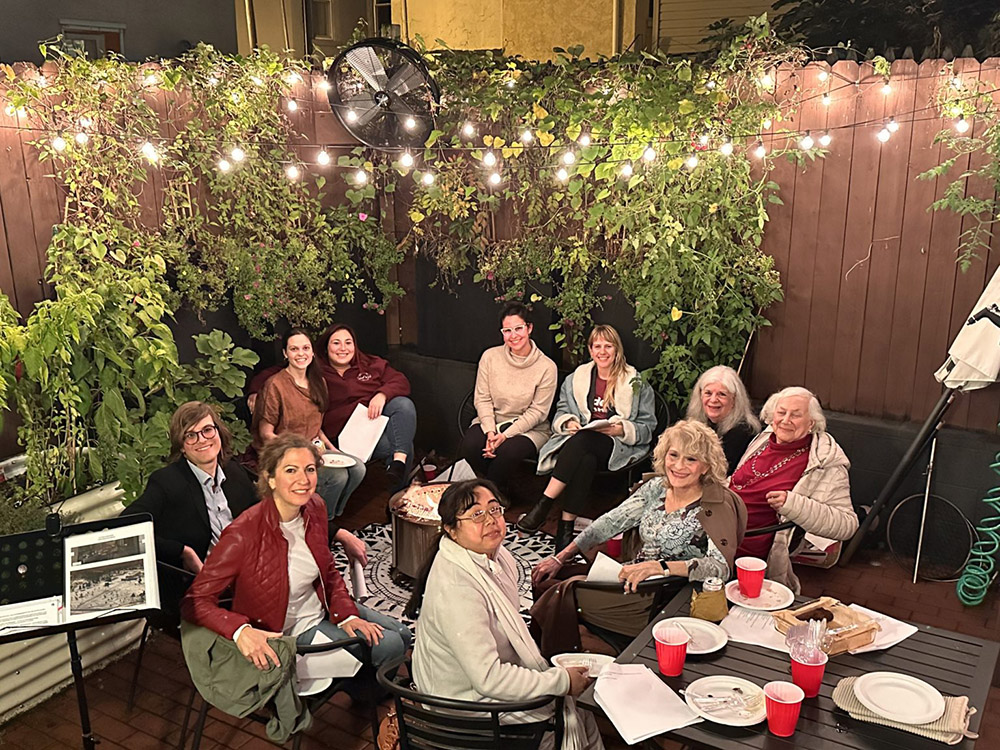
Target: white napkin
639,703
360,435
893,631
754,627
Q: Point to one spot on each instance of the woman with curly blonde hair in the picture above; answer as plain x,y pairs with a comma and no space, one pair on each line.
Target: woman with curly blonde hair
689,525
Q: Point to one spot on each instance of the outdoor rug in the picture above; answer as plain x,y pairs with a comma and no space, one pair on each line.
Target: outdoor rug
390,598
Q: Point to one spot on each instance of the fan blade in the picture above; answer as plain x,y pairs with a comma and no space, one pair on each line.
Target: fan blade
366,63
368,115
405,80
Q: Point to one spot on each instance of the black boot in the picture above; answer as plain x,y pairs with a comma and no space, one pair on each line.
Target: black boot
565,533
531,521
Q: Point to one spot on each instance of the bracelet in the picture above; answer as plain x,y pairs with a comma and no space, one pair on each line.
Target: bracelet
553,557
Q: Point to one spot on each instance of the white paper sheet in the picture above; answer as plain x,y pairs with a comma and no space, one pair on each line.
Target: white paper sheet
820,543
32,614
457,472
639,703
604,570
316,670
893,631
360,435
358,586
751,626
596,423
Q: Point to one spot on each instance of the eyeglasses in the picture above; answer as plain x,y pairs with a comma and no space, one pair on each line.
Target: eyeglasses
516,329
479,517
206,433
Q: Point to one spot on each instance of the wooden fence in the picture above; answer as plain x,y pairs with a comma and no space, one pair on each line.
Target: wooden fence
873,294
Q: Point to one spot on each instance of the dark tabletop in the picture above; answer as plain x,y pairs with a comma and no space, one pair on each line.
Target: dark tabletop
953,663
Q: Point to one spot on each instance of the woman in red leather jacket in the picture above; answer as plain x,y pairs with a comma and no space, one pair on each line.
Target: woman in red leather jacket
276,559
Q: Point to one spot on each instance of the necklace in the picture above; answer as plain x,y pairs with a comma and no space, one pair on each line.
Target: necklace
757,475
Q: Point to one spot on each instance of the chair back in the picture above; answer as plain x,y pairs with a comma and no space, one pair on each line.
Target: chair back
428,722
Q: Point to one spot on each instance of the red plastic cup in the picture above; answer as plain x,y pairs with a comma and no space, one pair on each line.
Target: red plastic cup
750,574
807,673
614,546
783,701
430,471
671,648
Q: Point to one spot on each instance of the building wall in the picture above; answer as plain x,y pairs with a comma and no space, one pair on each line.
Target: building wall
151,29
682,24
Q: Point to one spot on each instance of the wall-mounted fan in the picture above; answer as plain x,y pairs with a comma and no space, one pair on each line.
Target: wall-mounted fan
383,94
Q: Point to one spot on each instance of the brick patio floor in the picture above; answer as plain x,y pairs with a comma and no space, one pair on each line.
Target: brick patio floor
873,579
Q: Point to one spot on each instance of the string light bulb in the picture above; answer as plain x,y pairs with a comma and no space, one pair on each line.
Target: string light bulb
149,151
886,88
627,170
323,157
726,149
428,178
710,85
224,165
325,85
495,178
807,142
291,105
562,175
292,78
892,125
649,154
468,130
213,81
59,143
406,159
691,162
767,81
826,100
825,139
409,123
489,159
85,122
703,139
569,158
527,137
766,123
584,139
510,83
360,177
823,75
352,116
256,81
883,135
150,79
956,82
81,138
292,172
237,154
961,124
759,150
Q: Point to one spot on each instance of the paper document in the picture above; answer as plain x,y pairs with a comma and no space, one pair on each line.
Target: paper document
892,630
596,423
322,668
639,703
457,472
604,570
753,627
358,587
36,613
360,435
819,542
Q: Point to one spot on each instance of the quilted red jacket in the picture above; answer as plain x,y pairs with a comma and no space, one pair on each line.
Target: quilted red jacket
251,558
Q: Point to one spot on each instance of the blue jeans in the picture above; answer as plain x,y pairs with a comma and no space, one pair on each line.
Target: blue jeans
396,638
398,434
336,485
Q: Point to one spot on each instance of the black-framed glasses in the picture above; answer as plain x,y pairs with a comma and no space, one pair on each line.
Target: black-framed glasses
206,433
479,517
516,329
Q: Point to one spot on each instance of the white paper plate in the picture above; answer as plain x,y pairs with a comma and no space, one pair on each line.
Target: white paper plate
313,686
722,686
594,662
338,461
773,595
899,697
706,637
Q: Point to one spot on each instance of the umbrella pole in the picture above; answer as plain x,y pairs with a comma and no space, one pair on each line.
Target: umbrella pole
923,512
928,428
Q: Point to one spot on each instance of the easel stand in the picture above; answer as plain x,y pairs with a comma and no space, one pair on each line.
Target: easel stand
34,567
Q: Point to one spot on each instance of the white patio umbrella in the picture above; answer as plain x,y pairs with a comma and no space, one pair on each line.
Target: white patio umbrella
974,356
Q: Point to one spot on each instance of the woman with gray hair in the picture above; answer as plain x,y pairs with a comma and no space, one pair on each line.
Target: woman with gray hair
720,401
793,471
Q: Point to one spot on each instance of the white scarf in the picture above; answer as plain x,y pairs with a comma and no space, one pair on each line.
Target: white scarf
516,631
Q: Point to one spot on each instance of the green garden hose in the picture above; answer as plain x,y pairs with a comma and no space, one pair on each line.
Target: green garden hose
982,566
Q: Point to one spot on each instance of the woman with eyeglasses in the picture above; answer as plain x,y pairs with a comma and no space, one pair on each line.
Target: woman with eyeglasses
472,643
515,387
194,497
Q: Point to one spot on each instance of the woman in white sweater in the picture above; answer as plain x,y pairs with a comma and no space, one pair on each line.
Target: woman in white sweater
472,643
515,387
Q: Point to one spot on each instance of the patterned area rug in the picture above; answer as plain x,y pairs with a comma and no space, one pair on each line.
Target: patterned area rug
389,597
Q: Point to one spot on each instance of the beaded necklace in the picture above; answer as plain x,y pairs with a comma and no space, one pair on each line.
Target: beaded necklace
757,475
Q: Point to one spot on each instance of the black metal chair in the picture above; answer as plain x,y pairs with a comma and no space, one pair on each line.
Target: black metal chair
428,722
313,702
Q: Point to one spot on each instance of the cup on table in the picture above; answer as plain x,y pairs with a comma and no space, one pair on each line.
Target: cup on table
614,546
807,671
430,471
750,575
783,701
671,648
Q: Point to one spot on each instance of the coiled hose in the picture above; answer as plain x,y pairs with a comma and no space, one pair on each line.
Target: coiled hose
982,566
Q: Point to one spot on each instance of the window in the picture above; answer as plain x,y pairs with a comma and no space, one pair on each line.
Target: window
321,18
94,39
383,17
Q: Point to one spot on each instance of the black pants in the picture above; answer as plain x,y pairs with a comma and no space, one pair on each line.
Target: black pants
509,455
578,461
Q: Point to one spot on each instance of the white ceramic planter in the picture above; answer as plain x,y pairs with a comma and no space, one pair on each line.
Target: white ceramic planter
31,671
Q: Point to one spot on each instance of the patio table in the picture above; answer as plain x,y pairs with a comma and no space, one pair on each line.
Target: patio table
955,664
